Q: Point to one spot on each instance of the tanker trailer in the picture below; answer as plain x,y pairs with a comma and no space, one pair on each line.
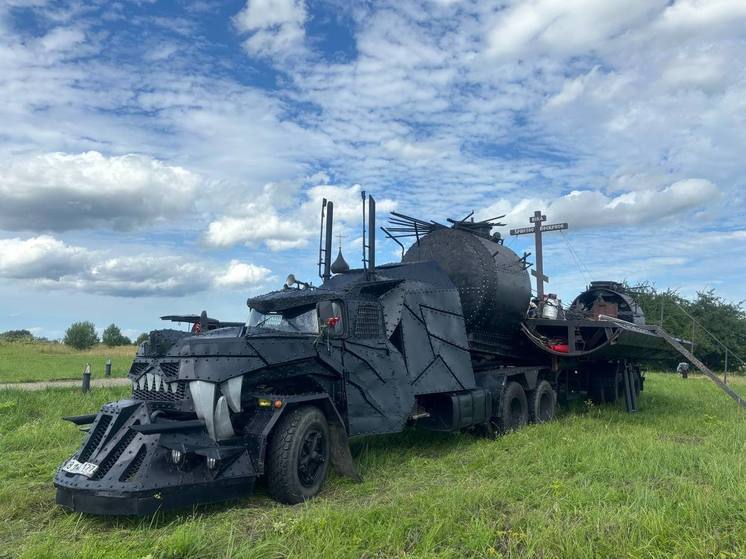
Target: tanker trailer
436,341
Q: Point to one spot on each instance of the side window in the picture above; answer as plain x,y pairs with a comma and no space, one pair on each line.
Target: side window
331,317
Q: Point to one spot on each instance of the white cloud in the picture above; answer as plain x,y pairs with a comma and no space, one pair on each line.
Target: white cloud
58,191
409,150
690,14
50,263
62,39
280,221
41,257
241,274
591,208
276,26
564,27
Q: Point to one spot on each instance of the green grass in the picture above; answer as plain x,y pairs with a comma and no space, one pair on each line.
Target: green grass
669,481
24,362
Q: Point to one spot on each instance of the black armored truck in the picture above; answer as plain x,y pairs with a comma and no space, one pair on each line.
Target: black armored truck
448,339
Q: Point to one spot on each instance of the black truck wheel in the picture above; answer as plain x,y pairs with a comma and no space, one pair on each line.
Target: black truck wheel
515,407
542,403
298,455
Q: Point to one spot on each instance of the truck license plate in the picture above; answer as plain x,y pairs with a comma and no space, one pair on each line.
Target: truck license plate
84,468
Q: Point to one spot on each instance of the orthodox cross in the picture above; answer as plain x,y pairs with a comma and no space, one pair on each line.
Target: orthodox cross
537,230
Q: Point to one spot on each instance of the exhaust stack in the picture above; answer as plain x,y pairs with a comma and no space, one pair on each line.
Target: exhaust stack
371,235
369,241
325,239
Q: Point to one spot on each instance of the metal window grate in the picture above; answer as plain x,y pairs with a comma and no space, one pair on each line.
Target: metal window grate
367,323
95,439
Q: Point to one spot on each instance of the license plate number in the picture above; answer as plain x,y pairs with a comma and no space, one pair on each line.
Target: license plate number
84,468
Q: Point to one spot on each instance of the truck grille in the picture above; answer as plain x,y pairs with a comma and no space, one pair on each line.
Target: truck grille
165,395
169,369
138,367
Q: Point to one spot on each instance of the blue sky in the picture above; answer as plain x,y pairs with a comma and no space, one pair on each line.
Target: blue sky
168,157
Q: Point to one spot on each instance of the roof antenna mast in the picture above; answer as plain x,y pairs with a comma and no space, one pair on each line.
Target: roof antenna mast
369,242
325,239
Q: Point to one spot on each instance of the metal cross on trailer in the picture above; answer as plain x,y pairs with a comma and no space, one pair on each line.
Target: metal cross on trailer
537,230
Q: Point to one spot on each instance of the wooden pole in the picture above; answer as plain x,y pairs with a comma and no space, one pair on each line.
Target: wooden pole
539,257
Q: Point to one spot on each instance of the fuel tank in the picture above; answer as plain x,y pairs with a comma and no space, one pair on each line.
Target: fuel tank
494,287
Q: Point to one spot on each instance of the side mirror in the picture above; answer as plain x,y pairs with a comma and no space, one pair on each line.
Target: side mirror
331,317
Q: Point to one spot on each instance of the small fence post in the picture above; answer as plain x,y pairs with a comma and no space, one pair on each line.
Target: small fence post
107,368
87,378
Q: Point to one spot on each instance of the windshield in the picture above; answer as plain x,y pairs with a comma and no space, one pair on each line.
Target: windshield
287,321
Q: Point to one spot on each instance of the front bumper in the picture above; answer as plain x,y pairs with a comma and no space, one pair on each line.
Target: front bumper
132,470
149,502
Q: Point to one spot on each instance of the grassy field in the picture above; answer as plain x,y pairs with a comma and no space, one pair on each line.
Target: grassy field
24,362
669,481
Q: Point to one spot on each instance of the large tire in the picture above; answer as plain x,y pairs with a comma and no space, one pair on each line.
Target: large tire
298,455
514,408
542,403
605,389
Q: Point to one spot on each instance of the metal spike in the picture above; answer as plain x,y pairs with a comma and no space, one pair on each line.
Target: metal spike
141,382
203,396
231,388
149,380
223,425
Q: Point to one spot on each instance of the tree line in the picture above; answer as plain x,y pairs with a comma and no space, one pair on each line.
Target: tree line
708,320
79,335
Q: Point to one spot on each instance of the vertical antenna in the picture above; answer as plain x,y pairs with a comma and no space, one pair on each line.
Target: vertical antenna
371,234
365,245
321,238
328,240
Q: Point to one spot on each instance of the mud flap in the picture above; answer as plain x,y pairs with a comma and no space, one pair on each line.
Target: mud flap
340,453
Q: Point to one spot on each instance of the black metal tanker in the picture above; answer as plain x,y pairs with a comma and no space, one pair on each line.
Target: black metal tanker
443,340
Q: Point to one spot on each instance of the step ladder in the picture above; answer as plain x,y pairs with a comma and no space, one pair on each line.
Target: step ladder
697,363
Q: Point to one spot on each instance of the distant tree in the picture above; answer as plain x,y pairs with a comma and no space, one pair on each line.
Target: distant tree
81,335
714,316
17,336
142,338
113,336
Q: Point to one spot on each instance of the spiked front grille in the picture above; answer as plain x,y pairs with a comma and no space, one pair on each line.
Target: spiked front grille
168,392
